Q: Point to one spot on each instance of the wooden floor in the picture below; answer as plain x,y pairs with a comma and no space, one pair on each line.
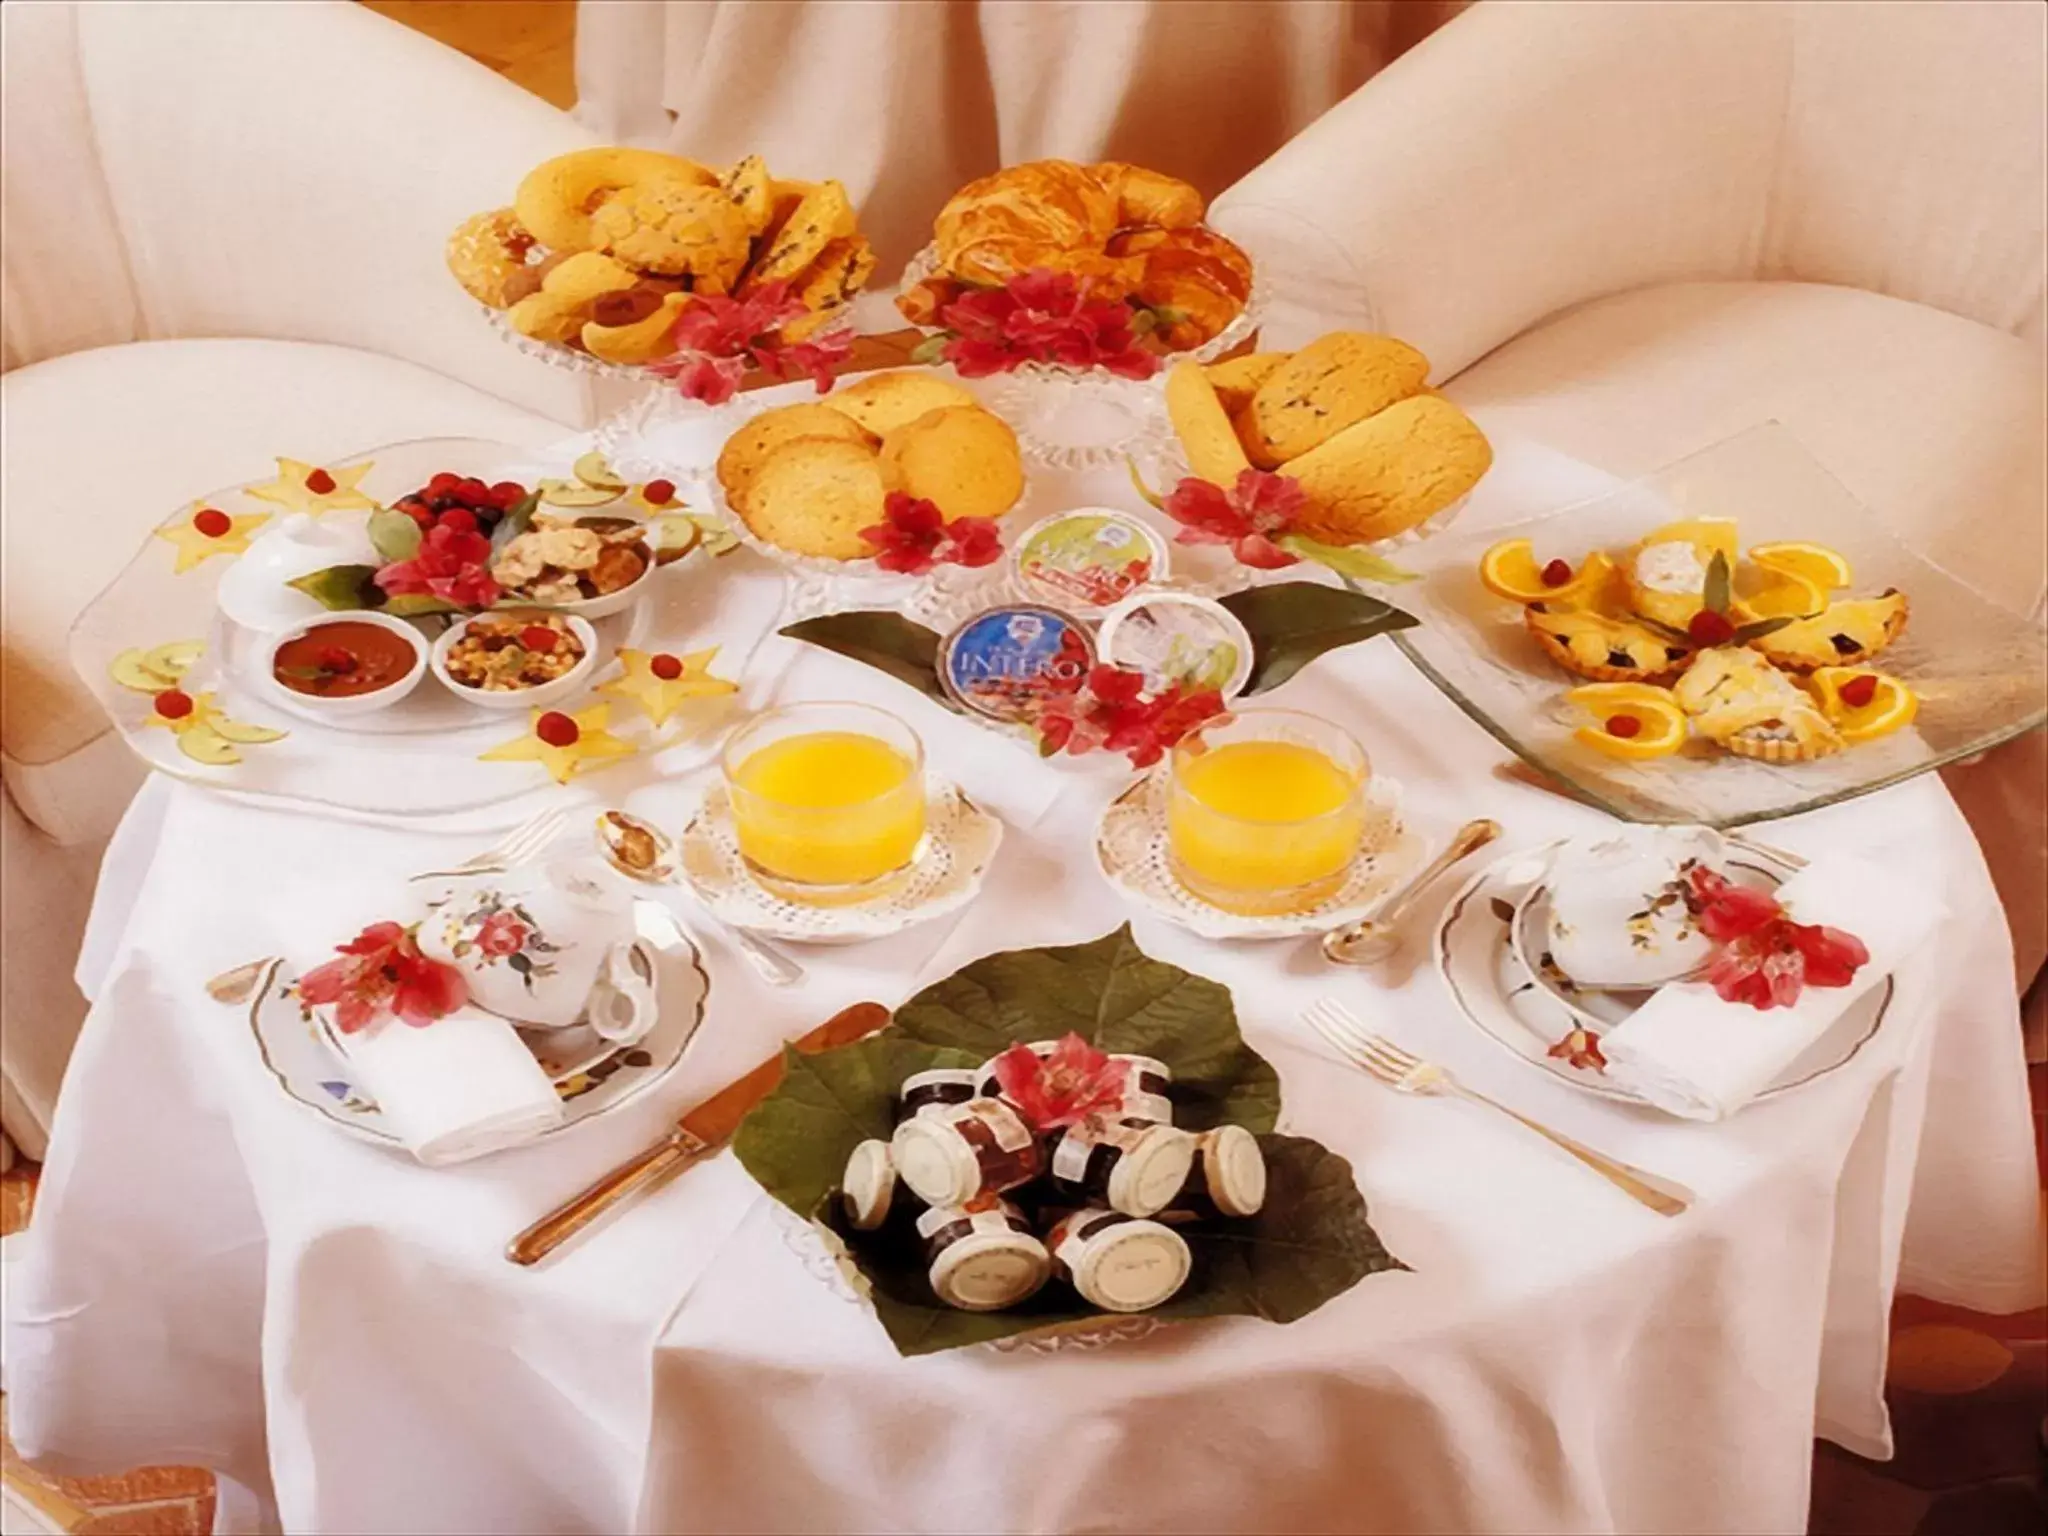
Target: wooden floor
532,43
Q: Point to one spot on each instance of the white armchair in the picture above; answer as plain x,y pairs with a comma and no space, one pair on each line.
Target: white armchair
1629,231
224,225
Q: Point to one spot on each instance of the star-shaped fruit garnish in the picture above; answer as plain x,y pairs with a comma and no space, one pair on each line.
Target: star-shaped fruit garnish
563,743
315,487
661,682
205,531
205,734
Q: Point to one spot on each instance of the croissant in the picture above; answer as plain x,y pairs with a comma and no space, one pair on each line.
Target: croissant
1197,273
1149,198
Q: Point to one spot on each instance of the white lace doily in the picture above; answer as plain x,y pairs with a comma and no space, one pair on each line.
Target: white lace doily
960,841
1131,851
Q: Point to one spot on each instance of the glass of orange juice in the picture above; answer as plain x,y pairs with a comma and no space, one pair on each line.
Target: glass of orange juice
1266,811
827,800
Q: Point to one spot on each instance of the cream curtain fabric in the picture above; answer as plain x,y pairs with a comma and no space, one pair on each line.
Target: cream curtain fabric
904,100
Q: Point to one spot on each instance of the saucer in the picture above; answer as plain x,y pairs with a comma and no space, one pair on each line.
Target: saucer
1131,851
960,842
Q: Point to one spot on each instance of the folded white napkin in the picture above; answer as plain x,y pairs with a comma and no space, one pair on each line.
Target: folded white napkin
1692,1054
458,1088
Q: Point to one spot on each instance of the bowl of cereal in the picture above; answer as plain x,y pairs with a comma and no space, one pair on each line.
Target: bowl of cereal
515,658
591,567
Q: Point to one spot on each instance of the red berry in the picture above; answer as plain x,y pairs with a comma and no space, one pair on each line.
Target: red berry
173,704
538,637
508,494
665,667
459,519
443,484
556,729
1710,628
1624,726
1557,573
319,482
474,493
338,659
212,522
1859,691
659,492
423,517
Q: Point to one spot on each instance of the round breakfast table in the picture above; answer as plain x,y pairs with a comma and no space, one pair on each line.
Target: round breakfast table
215,1277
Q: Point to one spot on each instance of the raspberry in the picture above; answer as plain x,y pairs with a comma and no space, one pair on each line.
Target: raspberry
1557,573
338,659
319,482
443,484
1709,628
538,637
1859,691
423,517
459,519
1624,726
507,494
659,493
665,667
474,493
212,522
173,704
556,729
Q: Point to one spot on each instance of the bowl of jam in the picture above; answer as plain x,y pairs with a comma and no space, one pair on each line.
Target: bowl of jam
350,664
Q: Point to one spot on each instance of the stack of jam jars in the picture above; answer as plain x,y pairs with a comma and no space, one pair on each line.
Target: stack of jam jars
1106,1193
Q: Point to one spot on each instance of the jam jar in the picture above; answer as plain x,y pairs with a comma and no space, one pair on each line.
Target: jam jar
985,1082
868,1187
984,1258
1120,1263
1130,1164
1146,1083
939,1086
1229,1175
952,1152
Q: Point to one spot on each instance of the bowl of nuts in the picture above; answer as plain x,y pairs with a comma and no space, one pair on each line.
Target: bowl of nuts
590,566
516,659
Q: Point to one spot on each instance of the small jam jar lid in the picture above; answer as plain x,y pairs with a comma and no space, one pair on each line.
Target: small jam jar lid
1000,663
935,1161
1129,1266
1233,1170
1152,1170
869,1185
1088,558
1151,1064
1144,630
940,1077
991,1267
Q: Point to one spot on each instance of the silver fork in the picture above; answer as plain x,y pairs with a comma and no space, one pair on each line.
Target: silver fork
516,847
1410,1074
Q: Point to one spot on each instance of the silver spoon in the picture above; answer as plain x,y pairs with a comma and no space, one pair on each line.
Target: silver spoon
1374,938
641,851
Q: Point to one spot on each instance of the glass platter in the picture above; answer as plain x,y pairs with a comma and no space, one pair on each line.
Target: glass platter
1978,668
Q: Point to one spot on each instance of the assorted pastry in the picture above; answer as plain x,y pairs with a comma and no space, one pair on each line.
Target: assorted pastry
1349,418
1125,233
603,250
1763,656
808,478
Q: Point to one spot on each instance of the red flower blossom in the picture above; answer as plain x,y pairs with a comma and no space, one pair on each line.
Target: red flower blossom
714,380
718,339
1041,317
1112,712
1251,517
1764,958
382,971
914,536
501,934
1580,1047
451,564
1063,1088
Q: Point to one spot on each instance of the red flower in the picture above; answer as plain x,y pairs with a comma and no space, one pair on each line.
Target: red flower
382,971
501,934
1112,712
1063,1088
714,380
719,339
1250,517
451,564
1764,958
914,536
1581,1048
1041,317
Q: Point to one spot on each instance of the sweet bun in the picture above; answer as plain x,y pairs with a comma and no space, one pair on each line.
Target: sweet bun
882,402
813,495
676,230
961,458
748,448
1383,475
558,197
1204,279
487,254
1149,197
1044,203
1328,385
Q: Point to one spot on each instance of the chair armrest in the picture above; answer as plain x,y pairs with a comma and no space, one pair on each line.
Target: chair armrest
1523,159
293,171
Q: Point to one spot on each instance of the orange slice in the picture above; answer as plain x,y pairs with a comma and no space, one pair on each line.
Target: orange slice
1890,707
1787,594
1633,721
1824,567
1509,570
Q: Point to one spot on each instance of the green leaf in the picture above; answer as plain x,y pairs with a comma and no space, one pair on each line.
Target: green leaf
1346,560
1748,632
906,651
394,535
341,586
928,350
1293,622
518,517
1719,586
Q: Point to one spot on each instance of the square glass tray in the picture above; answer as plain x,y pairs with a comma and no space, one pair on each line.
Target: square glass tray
1981,671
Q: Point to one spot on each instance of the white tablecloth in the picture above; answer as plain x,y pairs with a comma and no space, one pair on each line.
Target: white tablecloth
216,1278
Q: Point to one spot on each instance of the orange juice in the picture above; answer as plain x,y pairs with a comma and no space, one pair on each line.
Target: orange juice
828,808
1264,824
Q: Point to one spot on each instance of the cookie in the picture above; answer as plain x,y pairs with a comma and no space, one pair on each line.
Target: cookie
557,198
882,402
487,254
961,458
1328,385
636,341
746,450
825,215
752,192
675,230
813,495
1238,379
1383,475
1205,433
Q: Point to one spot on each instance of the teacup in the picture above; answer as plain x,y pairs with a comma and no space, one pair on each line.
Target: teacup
545,944
1618,917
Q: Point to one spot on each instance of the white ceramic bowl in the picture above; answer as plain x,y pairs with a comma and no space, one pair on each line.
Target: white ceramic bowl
315,706
543,694
596,607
